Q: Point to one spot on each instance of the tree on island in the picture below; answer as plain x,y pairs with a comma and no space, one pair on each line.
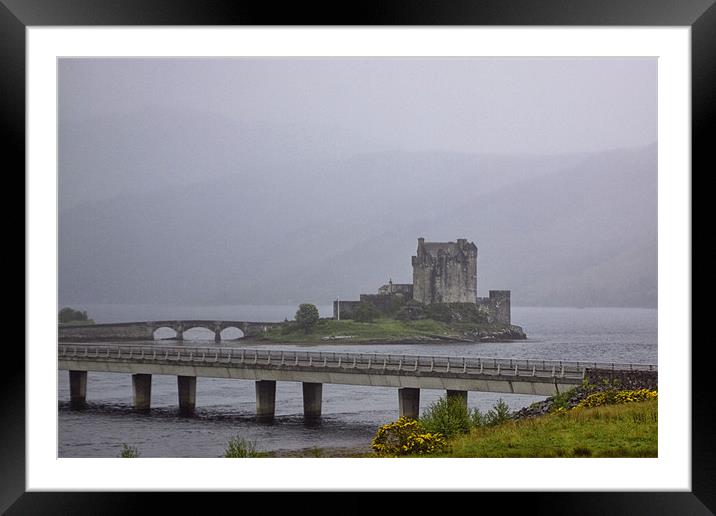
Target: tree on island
307,316
67,315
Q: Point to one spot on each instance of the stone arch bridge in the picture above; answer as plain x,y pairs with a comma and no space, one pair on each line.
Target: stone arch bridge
145,330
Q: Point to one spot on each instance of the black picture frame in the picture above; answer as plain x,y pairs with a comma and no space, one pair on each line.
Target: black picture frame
17,15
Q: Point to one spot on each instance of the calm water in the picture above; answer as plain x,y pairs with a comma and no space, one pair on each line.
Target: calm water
351,414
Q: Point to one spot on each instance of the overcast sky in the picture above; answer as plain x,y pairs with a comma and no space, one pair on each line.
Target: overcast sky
533,105
288,180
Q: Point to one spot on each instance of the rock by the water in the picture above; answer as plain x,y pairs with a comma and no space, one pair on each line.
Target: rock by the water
507,333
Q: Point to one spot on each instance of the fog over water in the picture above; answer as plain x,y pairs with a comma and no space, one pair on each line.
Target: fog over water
279,181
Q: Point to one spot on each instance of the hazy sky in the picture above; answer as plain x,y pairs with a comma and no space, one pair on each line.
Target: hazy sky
533,105
289,180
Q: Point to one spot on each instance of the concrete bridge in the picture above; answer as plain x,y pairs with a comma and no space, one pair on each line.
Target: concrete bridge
145,330
407,373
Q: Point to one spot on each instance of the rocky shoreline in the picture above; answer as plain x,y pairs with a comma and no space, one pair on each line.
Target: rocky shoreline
321,452
598,380
509,334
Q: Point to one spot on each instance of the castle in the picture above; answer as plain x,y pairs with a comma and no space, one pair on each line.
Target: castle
443,272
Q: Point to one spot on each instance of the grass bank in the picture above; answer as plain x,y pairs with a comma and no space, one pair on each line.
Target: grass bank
625,430
380,330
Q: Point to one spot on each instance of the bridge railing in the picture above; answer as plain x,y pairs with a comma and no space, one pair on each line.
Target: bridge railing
373,362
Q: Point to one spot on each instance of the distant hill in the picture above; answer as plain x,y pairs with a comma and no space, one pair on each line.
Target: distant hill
586,236
574,230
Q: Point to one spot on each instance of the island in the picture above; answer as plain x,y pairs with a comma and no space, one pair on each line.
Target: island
386,330
440,305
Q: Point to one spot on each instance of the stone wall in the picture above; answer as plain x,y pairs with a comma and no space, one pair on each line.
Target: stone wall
626,379
385,303
348,309
101,332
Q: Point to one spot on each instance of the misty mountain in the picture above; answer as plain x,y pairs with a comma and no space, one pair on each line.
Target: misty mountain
585,236
138,151
575,229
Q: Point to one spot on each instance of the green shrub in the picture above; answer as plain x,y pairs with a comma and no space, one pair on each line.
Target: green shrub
611,397
412,310
560,400
425,444
635,395
239,448
396,303
499,413
289,327
477,418
448,416
406,437
128,452
439,312
366,312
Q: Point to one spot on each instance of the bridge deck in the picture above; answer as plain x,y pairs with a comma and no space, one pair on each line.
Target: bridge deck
522,376
170,322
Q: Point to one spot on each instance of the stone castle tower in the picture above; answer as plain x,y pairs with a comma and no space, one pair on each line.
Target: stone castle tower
445,272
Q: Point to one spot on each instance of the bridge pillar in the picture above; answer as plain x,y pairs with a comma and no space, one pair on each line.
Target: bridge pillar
187,393
312,398
180,334
141,391
265,399
458,395
217,335
78,388
409,402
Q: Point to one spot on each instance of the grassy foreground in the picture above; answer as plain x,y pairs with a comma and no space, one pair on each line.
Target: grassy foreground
626,430
380,330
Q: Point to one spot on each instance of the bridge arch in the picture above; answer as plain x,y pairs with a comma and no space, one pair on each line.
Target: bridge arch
164,333
232,332
199,332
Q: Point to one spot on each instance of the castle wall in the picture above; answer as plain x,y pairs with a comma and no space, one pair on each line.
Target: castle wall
456,280
445,272
498,305
501,306
383,302
405,289
423,280
348,308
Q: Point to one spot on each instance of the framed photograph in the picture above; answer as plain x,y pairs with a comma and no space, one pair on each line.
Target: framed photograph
494,179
